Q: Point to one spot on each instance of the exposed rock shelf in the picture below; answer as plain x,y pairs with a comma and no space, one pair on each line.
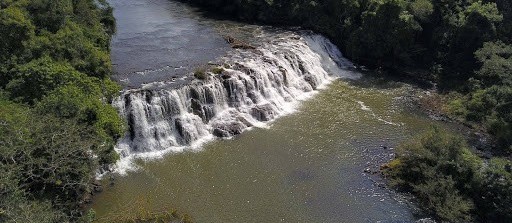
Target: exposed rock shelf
255,86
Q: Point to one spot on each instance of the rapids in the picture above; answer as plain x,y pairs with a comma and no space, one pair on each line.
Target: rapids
255,87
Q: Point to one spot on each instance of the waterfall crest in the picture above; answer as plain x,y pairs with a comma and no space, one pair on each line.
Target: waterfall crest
255,87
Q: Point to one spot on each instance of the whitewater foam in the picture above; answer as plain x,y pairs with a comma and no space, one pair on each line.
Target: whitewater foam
254,88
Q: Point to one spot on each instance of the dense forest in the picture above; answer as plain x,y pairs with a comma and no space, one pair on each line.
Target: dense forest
464,47
57,127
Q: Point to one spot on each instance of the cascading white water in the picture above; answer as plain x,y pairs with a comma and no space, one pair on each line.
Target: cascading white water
256,87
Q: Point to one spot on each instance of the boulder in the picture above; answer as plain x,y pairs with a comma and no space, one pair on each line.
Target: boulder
231,129
263,112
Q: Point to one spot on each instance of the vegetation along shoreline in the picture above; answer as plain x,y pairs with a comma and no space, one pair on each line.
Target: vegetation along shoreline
57,125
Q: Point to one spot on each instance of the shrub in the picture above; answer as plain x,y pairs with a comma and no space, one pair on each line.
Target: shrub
46,164
440,170
32,81
217,70
200,73
495,194
450,181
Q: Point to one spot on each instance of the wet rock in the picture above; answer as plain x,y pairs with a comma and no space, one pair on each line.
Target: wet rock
225,76
197,108
149,96
384,167
244,46
221,133
311,80
97,187
209,96
244,121
96,183
285,75
237,44
131,124
209,112
263,112
228,130
194,93
381,185
253,96
183,133
426,220
87,198
112,180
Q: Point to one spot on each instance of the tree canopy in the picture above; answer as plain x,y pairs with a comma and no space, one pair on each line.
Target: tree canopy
57,126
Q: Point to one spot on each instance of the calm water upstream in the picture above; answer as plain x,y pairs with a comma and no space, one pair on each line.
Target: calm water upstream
305,167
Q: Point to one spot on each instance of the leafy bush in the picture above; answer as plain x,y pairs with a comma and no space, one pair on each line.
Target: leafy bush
45,160
438,168
200,73
495,192
450,181
32,81
217,70
490,102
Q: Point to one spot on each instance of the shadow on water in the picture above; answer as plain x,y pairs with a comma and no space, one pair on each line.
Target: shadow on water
387,80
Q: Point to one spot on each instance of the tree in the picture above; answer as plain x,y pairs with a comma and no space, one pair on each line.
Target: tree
495,193
440,170
43,160
385,35
50,144
474,25
496,64
32,81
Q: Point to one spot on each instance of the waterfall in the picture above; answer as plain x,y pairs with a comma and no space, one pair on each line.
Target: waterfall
255,87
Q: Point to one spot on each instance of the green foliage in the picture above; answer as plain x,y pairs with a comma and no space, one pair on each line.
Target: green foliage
15,28
422,9
450,181
496,60
72,45
217,70
32,81
386,34
139,213
91,215
200,73
496,191
56,123
50,14
67,31
19,209
45,160
490,101
74,103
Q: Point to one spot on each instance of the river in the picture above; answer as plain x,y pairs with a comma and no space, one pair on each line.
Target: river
304,156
